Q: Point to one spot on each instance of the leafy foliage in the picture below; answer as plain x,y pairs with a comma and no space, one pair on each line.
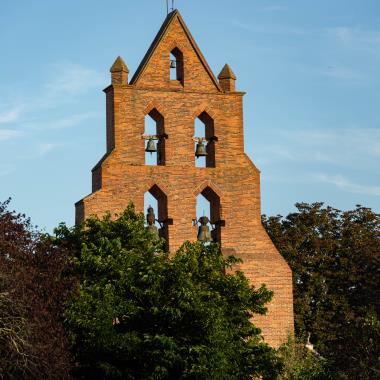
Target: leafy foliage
335,258
33,342
14,359
302,364
139,314
136,313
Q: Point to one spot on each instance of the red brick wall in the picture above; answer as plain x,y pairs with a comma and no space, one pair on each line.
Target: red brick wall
122,175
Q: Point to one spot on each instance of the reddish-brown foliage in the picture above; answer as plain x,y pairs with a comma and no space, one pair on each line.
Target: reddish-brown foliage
33,277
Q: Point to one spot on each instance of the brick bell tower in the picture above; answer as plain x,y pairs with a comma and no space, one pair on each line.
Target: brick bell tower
229,180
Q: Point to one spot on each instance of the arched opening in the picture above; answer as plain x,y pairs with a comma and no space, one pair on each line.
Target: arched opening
203,207
158,200
208,204
204,129
154,125
176,65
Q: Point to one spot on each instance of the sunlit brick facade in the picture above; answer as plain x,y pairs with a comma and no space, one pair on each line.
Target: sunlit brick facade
230,181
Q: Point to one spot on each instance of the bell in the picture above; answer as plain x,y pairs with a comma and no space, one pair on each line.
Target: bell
173,64
200,150
151,146
151,219
204,234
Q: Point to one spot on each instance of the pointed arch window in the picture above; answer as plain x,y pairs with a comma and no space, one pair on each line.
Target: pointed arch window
158,200
204,130
208,204
176,65
154,126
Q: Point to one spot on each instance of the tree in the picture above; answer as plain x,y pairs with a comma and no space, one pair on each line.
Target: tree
140,314
335,258
302,364
14,359
33,291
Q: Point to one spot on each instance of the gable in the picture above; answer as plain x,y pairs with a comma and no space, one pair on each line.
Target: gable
154,70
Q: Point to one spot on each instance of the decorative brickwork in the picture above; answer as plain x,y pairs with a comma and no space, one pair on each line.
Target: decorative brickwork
231,182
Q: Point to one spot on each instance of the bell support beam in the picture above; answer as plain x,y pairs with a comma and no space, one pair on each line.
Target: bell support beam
154,137
203,139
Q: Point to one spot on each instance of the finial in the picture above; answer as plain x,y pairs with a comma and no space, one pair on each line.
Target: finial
119,71
227,73
227,79
119,65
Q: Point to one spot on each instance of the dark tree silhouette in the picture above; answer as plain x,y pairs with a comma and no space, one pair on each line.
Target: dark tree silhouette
33,288
335,258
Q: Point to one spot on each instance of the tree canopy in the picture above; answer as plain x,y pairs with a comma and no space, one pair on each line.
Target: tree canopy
33,290
104,301
335,258
139,314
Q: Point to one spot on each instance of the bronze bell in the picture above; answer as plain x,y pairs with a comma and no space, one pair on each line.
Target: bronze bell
151,219
151,146
201,150
150,216
173,64
204,234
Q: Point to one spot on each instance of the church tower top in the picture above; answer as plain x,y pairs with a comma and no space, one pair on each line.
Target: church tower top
175,137
174,34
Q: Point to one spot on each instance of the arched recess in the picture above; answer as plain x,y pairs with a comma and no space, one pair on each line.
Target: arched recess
204,127
176,65
214,211
154,124
161,211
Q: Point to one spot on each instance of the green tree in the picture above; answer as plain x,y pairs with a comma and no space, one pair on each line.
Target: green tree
335,258
302,364
140,314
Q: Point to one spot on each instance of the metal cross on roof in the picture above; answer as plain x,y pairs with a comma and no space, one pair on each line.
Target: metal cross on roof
167,6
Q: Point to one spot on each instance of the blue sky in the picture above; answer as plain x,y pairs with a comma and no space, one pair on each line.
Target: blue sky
311,70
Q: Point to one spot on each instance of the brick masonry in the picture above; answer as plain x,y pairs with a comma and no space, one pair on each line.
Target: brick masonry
232,185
